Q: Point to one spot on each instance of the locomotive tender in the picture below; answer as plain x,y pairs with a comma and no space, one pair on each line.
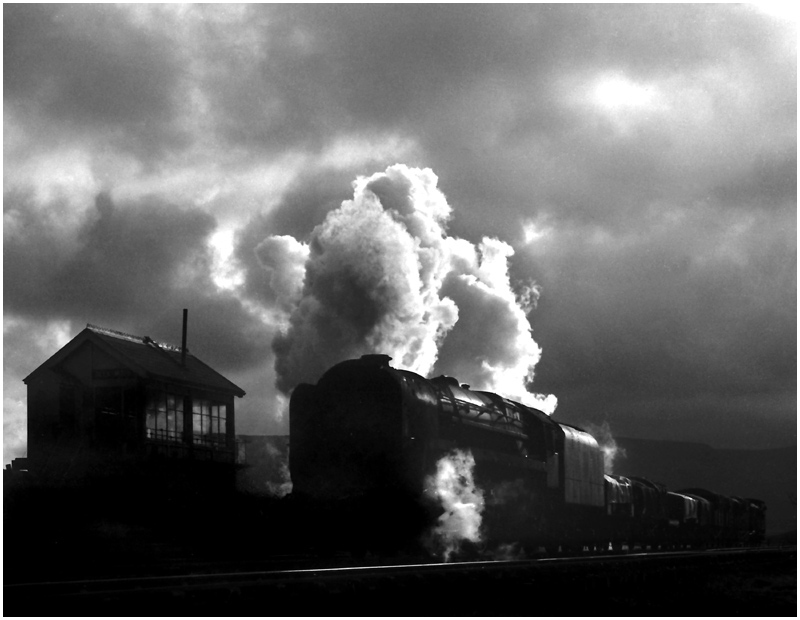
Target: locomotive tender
367,437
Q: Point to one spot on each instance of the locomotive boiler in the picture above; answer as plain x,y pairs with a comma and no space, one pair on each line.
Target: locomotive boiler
366,438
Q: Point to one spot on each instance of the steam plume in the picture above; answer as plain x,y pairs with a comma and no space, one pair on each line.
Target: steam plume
453,485
607,443
381,275
284,259
284,487
509,551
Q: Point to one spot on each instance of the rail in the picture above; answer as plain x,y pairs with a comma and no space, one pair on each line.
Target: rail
604,584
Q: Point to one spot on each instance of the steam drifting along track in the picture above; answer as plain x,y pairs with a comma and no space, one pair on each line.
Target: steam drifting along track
597,585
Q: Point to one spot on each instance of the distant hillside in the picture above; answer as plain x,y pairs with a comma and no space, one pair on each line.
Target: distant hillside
770,475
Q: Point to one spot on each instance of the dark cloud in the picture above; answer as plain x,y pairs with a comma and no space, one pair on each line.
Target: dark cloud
670,318
90,69
131,267
769,183
123,261
331,69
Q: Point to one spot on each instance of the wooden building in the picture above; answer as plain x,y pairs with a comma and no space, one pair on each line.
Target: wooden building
109,399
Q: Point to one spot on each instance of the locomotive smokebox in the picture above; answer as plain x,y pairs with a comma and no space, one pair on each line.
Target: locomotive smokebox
379,360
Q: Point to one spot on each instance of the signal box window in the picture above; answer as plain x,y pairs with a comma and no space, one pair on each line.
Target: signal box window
209,423
165,417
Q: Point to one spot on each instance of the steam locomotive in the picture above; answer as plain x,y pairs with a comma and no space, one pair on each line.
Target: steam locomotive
366,439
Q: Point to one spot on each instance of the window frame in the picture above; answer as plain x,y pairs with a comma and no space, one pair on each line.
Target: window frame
210,423
165,409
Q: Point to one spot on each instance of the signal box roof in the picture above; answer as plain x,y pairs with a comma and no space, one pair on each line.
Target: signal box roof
147,358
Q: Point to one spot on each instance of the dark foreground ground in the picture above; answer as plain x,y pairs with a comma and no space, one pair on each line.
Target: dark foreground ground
763,585
768,589
195,554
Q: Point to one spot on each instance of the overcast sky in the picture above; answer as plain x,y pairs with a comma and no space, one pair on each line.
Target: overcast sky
639,161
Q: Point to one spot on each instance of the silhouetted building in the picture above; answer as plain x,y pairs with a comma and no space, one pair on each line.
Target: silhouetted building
109,400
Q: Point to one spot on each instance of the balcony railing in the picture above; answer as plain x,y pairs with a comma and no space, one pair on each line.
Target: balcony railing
162,434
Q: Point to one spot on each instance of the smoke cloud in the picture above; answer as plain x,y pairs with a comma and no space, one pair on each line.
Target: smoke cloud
454,487
381,275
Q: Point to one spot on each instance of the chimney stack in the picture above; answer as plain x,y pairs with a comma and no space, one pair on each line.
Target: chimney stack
183,339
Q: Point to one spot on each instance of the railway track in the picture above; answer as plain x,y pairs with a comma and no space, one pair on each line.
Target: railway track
593,585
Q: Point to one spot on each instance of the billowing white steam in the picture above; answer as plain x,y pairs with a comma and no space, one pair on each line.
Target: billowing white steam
381,275
284,486
284,258
607,443
454,487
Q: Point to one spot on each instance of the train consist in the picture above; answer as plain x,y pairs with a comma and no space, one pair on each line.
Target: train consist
366,439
